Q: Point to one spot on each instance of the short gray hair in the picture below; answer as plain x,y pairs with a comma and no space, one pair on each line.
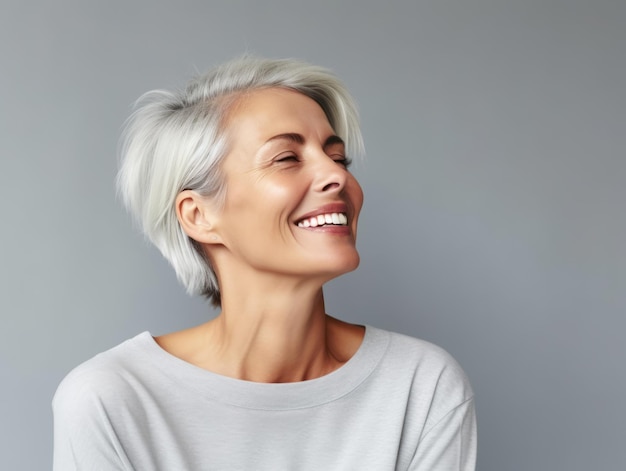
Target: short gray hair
175,141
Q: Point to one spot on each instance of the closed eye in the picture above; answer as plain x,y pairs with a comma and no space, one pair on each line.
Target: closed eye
287,158
342,160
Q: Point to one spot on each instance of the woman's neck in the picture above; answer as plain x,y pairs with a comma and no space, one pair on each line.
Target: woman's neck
280,336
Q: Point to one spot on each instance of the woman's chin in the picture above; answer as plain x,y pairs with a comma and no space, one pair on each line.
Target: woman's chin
344,265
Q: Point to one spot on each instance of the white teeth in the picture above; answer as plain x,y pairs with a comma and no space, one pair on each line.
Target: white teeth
338,219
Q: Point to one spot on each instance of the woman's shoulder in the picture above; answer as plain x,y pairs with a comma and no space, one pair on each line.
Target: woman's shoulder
94,403
107,373
412,348
424,362
428,377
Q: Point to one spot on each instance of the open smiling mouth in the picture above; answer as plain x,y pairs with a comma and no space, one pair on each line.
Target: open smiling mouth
328,219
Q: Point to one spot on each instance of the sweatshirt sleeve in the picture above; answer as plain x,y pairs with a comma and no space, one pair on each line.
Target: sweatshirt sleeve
450,444
84,438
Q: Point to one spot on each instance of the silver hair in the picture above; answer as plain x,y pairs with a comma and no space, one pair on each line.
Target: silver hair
177,140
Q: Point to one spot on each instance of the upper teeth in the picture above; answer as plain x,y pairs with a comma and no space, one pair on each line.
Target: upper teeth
339,219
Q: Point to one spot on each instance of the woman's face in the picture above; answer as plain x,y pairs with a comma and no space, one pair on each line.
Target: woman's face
291,205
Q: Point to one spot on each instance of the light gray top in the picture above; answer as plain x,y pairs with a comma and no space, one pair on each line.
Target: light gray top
398,404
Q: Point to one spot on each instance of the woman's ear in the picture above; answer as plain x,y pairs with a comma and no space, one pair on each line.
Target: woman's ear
197,216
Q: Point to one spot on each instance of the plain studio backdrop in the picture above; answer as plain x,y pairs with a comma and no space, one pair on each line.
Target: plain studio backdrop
493,225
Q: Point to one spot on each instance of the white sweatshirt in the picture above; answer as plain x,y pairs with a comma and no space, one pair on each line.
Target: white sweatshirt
398,404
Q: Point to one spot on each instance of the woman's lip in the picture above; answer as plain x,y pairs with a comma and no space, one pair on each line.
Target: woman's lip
326,209
330,229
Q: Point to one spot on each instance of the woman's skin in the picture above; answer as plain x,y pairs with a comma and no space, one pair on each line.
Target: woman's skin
285,166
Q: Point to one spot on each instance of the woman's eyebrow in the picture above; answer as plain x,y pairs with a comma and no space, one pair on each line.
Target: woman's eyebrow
333,140
289,136
299,139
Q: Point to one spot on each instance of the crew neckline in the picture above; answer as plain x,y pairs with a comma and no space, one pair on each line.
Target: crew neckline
269,396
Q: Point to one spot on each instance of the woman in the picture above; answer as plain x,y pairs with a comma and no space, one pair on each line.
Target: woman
242,182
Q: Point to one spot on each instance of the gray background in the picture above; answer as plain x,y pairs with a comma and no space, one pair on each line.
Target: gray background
493,223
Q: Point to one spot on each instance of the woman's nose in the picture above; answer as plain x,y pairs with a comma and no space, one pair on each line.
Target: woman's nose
329,175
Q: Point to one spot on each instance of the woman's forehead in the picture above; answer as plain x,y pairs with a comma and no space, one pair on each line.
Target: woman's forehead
261,115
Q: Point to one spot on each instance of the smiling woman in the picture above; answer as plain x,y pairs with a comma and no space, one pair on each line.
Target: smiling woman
242,181
285,166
